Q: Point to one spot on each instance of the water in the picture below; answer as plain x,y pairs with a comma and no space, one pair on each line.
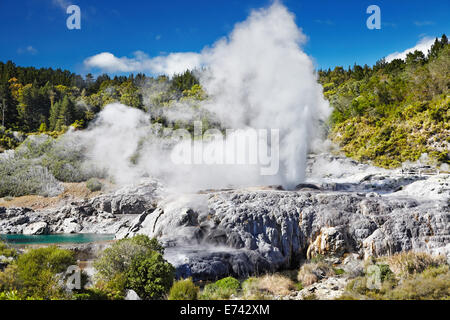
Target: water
20,239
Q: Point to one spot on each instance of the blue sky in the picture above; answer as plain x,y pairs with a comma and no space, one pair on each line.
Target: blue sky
34,32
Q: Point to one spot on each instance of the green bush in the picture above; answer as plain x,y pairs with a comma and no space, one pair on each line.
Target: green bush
117,258
94,184
385,272
221,290
229,283
139,264
414,284
9,295
432,284
7,251
36,272
112,289
184,290
150,276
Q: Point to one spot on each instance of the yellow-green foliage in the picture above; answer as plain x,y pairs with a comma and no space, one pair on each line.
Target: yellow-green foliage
184,290
401,137
7,251
406,263
34,273
395,111
222,289
406,276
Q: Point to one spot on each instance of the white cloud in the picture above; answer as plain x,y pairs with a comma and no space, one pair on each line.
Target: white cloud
140,62
28,49
424,23
63,4
423,45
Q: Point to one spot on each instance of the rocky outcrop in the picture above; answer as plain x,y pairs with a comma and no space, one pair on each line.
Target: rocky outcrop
267,230
212,234
37,228
103,214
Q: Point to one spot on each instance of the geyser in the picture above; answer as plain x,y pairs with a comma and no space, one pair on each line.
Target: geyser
256,78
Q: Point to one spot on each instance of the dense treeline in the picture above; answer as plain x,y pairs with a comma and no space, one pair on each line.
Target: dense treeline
388,113
47,100
394,111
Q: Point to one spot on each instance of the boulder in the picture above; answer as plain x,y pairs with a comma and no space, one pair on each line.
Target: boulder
329,242
36,228
70,225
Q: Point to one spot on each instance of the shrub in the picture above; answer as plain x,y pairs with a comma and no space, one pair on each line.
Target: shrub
406,263
20,177
229,283
117,258
250,288
136,263
94,184
151,276
9,295
40,161
90,294
7,251
37,271
184,290
221,290
338,271
8,278
433,284
113,289
276,284
385,272
312,272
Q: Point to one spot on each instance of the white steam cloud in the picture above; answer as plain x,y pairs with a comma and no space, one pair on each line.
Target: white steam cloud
258,77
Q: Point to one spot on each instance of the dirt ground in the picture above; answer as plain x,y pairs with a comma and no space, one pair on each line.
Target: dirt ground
72,192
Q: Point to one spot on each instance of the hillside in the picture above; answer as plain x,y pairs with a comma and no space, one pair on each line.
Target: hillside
395,111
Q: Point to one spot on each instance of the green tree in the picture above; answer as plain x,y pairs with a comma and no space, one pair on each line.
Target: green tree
140,260
67,114
55,111
37,271
150,276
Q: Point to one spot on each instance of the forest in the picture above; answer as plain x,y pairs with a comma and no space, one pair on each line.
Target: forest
387,114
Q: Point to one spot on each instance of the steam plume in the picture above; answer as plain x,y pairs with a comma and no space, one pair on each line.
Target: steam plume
258,77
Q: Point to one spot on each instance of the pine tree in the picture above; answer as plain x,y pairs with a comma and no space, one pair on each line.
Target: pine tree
54,115
67,113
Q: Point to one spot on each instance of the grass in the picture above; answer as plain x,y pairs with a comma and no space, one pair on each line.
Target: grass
276,284
404,276
312,272
406,263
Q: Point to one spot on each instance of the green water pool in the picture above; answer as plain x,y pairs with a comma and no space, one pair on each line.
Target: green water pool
20,239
